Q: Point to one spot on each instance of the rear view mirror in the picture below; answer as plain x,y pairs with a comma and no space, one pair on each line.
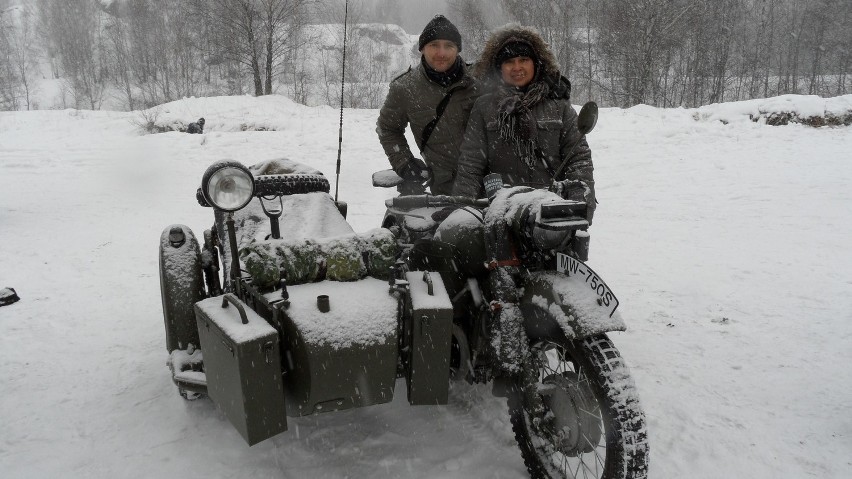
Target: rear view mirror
588,117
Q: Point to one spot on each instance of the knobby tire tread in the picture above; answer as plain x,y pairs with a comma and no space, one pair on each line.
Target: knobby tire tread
627,439
293,184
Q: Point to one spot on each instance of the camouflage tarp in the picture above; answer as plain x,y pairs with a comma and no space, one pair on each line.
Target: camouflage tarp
341,258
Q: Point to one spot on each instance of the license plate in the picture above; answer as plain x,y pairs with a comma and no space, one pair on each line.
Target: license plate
578,271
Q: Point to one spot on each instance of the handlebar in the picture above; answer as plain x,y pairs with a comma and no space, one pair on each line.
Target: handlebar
422,201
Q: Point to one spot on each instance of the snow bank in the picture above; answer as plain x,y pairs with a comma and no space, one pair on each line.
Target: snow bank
229,113
781,110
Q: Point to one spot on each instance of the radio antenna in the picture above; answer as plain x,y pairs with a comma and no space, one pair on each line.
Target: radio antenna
342,84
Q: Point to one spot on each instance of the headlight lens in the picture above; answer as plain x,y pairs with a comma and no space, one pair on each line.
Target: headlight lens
228,186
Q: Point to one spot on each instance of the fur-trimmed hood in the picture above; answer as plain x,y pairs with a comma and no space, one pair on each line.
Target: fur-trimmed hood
485,69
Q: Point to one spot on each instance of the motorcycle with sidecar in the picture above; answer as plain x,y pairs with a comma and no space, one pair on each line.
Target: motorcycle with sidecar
316,318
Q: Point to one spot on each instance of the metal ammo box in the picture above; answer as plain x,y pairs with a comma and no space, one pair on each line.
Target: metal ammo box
343,355
242,363
429,332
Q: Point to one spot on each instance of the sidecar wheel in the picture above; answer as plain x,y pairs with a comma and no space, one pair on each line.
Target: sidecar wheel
583,418
189,395
459,355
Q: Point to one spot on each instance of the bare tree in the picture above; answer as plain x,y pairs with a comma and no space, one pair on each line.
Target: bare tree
356,61
8,79
619,52
120,54
73,31
238,33
258,34
23,53
555,21
637,40
472,20
283,23
843,62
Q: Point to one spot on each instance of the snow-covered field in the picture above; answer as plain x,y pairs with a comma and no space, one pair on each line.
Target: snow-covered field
729,245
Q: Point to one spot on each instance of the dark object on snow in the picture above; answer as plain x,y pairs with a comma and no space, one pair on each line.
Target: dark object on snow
8,296
197,127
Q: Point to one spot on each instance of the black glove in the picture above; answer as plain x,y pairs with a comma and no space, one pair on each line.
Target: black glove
415,170
576,190
442,214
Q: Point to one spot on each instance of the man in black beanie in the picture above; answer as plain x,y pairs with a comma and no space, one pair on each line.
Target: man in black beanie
434,99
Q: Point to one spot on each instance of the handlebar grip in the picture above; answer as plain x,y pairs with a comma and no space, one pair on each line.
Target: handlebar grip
412,201
422,201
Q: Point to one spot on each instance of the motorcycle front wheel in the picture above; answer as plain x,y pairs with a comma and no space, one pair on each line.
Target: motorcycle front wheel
577,413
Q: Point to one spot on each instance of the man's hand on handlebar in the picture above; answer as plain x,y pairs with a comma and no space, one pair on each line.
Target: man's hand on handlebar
416,170
576,190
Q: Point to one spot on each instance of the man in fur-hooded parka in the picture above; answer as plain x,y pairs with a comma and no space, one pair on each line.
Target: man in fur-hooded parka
524,133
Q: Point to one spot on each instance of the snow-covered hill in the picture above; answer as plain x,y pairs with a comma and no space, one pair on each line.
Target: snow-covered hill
727,243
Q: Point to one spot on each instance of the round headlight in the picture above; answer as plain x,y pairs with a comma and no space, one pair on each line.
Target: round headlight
227,186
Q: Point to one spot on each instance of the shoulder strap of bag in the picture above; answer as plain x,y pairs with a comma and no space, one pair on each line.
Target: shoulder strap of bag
439,111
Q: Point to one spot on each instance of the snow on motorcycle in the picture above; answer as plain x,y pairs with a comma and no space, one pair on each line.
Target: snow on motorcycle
273,322
530,316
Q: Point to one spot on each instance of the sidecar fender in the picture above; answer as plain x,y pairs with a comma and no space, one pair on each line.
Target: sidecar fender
552,303
181,285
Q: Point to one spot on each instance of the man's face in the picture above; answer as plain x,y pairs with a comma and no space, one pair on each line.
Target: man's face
518,71
440,54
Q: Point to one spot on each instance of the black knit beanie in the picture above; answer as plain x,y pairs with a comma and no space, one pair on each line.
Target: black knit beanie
439,28
514,48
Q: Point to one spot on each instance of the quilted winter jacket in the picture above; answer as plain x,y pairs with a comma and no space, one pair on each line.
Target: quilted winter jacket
412,99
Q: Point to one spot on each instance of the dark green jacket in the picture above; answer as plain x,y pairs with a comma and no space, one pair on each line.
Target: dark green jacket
483,151
412,100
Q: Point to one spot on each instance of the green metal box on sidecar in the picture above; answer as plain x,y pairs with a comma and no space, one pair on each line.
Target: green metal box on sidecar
325,310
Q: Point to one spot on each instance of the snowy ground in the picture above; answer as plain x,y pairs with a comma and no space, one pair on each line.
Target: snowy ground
728,245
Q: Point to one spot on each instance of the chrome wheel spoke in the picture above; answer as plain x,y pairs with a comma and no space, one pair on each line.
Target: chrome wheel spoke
564,385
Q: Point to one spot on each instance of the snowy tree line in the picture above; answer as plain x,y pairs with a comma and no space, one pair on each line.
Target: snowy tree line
147,51
685,52
140,53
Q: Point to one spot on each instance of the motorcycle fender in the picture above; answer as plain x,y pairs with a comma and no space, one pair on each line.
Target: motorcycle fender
552,303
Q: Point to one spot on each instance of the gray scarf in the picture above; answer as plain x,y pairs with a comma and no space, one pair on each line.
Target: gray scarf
516,122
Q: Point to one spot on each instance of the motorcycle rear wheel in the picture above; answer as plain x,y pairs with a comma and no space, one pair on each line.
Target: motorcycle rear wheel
583,418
